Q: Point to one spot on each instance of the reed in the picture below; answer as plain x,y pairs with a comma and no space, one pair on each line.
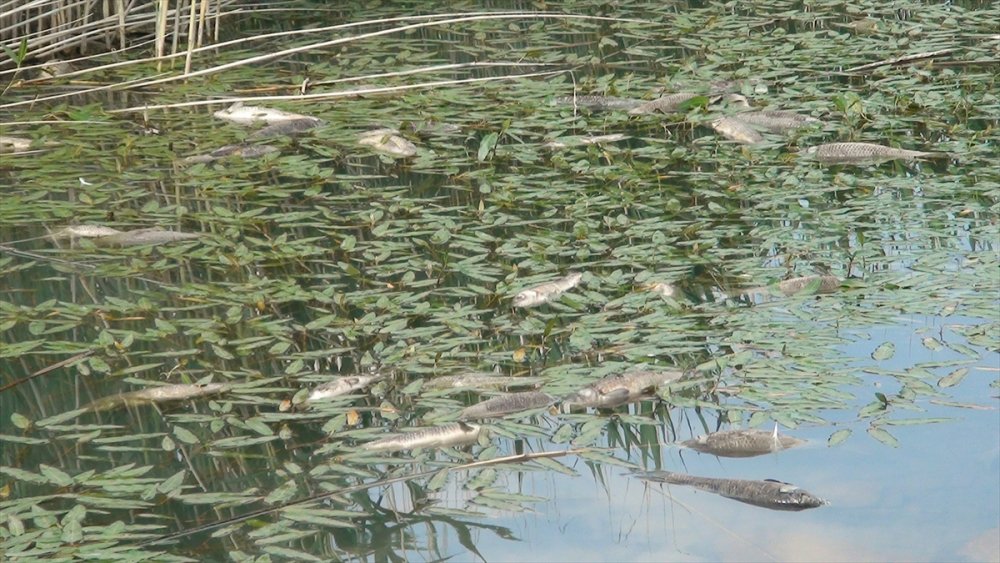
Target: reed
51,28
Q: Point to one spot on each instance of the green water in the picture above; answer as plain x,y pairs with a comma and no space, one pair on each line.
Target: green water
329,258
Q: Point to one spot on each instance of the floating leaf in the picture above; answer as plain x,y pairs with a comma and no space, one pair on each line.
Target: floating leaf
838,437
884,351
882,435
953,378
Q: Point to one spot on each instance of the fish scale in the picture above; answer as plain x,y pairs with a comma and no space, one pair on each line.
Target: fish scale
775,495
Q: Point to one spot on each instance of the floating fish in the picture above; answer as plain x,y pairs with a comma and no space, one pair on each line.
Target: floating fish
388,141
777,121
546,292
12,145
452,434
742,443
864,153
84,231
160,394
242,150
480,381
249,115
789,287
507,404
669,103
564,142
621,388
663,288
287,128
139,237
772,494
734,129
342,386
598,102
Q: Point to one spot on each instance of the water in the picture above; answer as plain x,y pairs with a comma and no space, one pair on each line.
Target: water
329,259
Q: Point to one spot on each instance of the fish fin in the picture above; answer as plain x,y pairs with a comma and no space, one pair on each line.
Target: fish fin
616,395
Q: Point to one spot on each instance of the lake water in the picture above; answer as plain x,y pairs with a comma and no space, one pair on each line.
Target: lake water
326,257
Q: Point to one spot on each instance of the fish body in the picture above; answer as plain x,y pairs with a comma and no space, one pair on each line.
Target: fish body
742,443
864,153
598,102
772,494
735,129
480,381
140,237
249,115
669,103
564,142
776,121
341,386
507,404
387,141
789,287
9,145
619,389
241,150
534,296
85,231
287,128
159,394
452,434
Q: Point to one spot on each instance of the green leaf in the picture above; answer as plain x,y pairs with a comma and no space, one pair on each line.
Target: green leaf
882,435
953,378
487,145
838,437
884,351
55,475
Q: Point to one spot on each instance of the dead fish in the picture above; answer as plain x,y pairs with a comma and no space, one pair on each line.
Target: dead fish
669,103
734,129
387,141
242,150
249,115
139,237
546,292
453,434
507,404
622,388
598,102
342,386
864,153
663,288
84,231
12,145
54,68
481,381
769,493
564,142
789,287
160,394
742,443
287,128
777,121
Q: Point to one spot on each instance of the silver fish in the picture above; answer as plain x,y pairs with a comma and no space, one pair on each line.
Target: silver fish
564,142
598,102
288,128
669,103
159,394
10,144
663,288
742,443
507,404
85,231
387,141
789,287
140,237
621,388
546,292
242,150
864,153
453,434
342,386
777,121
480,381
772,494
249,115
737,130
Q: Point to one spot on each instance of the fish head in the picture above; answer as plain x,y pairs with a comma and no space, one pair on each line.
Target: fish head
526,298
584,396
810,151
794,498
